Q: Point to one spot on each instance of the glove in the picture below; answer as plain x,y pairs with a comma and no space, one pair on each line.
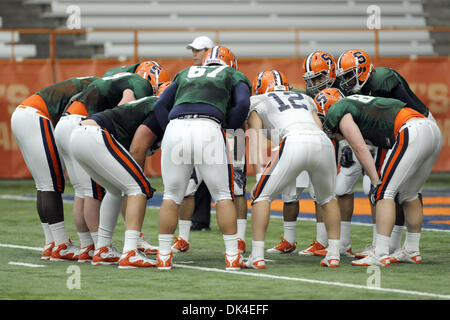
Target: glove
347,157
373,193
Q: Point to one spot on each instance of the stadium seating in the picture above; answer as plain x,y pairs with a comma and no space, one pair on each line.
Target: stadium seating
228,17
21,51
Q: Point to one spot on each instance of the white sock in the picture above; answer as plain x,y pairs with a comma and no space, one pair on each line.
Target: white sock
412,241
165,243
289,228
231,244
131,240
109,212
94,236
374,235
345,233
382,245
47,233
104,237
395,241
321,233
85,239
184,229
258,249
59,232
241,228
333,248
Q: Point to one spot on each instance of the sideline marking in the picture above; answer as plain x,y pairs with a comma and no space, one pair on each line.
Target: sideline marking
213,211
26,264
268,276
329,283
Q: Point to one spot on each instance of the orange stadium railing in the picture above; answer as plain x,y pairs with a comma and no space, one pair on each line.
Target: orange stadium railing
427,77
53,32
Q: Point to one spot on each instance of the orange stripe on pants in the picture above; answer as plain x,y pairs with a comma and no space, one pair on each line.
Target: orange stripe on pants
130,164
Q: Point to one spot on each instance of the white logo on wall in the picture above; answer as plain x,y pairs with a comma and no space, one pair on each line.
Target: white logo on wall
74,18
374,17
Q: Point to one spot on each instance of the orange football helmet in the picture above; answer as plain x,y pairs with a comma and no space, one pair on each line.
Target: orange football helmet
163,86
353,69
154,73
326,98
319,71
270,80
220,55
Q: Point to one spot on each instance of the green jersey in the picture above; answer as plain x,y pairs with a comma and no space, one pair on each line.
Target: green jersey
106,93
58,95
126,118
375,117
209,85
130,69
382,83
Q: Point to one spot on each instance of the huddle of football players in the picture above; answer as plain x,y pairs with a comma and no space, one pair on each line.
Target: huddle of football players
352,120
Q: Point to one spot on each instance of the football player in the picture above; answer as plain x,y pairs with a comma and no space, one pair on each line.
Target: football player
303,147
32,124
357,75
197,103
103,93
319,72
102,146
413,142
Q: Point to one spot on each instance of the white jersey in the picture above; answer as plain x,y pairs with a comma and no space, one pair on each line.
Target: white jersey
285,111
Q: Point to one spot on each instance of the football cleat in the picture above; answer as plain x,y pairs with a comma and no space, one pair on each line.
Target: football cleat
256,263
145,247
372,260
86,253
47,252
313,247
402,255
241,245
283,247
65,251
135,259
105,256
180,245
330,262
346,252
164,261
234,262
367,250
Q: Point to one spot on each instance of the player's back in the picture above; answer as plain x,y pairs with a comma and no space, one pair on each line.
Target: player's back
58,95
285,111
383,83
211,85
106,92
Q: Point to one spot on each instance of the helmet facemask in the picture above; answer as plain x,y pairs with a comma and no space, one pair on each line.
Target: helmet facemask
318,81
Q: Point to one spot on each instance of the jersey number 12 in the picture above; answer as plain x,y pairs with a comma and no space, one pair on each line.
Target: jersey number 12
292,100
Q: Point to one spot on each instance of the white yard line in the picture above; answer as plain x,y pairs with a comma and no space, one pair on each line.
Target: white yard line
328,283
23,264
268,276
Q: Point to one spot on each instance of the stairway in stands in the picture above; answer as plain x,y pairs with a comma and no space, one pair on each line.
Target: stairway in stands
437,15
27,14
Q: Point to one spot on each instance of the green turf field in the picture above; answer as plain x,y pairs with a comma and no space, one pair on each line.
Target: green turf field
199,274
